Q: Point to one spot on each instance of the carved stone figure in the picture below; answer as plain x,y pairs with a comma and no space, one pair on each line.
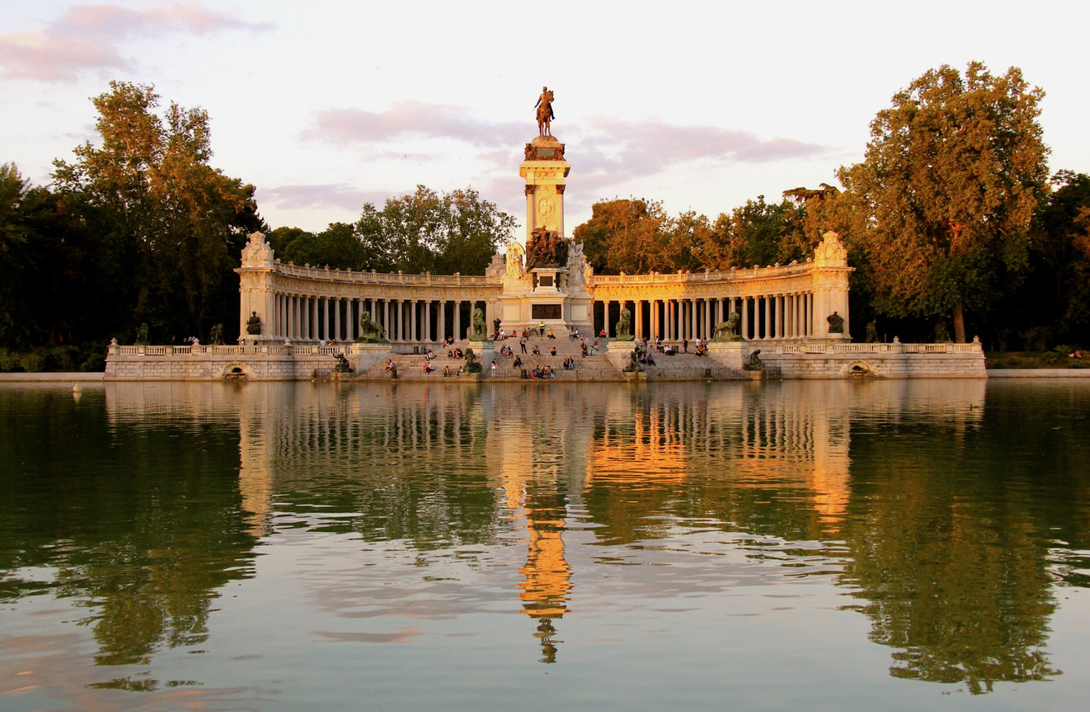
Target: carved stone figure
515,254
577,276
215,336
370,332
545,114
831,251
728,330
634,365
624,326
872,332
142,335
836,323
253,324
477,331
472,364
753,363
942,336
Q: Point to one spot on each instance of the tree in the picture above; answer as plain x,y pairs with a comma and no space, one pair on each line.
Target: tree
626,235
951,177
759,233
426,231
173,225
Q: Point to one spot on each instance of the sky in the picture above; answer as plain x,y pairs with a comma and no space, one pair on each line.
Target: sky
703,105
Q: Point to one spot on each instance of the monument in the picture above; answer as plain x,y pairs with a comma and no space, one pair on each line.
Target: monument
546,282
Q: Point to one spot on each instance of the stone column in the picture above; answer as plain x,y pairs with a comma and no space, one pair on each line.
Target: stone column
304,321
745,317
427,320
692,319
374,310
441,333
489,317
638,330
530,215
386,318
458,320
337,319
412,320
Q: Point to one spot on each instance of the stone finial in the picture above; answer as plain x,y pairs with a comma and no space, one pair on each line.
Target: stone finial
896,339
113,342
976,339
257,252
831,251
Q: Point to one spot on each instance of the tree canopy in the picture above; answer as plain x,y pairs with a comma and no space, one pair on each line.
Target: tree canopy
953,173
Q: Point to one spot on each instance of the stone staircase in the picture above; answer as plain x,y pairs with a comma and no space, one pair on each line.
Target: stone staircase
688,367
595,367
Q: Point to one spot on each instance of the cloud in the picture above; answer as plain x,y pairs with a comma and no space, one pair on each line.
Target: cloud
409,119
86,37
321,195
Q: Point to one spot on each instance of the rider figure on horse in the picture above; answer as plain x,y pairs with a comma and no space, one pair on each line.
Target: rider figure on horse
545,113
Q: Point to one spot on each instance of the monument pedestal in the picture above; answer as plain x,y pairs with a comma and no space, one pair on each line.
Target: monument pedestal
728,353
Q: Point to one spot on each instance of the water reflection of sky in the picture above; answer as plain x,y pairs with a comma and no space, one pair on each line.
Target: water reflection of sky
680,545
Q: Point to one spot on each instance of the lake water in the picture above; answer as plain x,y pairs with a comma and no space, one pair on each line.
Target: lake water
822,546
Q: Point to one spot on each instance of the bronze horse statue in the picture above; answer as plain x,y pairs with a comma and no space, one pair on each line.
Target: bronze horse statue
545,113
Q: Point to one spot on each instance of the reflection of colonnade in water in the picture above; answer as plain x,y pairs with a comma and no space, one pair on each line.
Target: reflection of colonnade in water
539,449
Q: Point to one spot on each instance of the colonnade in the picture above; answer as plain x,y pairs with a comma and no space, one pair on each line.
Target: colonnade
302,317
766,317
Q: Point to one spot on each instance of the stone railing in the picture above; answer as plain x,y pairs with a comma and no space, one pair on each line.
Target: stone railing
231,350
701,277
894,348
339,275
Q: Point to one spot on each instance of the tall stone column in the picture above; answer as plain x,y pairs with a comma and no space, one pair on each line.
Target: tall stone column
441,332
745,317
692,319
337,319
458,320
638,331
386,318
414,335
427,319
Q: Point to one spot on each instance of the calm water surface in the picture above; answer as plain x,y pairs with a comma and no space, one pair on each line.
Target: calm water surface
821,546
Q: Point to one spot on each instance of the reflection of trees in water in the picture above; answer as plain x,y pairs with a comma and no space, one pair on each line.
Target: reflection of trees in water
132,517
951,558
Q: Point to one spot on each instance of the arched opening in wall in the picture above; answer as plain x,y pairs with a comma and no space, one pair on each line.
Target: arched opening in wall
859,369
234,372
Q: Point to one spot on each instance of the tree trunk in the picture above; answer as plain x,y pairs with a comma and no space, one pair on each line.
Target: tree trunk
959,325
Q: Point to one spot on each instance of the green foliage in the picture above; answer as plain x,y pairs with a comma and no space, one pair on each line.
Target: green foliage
425,231
173,225
952,175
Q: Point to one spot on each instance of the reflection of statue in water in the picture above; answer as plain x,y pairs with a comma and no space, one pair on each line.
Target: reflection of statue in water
546,248
477,330
836,323
728,330
253,324
753,363
545,113
624,326
215,336
370,332
142,335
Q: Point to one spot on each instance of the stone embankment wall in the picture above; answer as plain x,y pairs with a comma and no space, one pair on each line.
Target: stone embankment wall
896,360
212,363
818,359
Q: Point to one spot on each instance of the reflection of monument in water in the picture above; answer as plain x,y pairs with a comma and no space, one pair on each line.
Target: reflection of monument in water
817,461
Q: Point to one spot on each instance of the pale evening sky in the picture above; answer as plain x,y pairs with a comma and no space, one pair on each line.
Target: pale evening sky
327,105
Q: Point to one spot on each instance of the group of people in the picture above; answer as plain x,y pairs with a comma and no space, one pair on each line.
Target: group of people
700,347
